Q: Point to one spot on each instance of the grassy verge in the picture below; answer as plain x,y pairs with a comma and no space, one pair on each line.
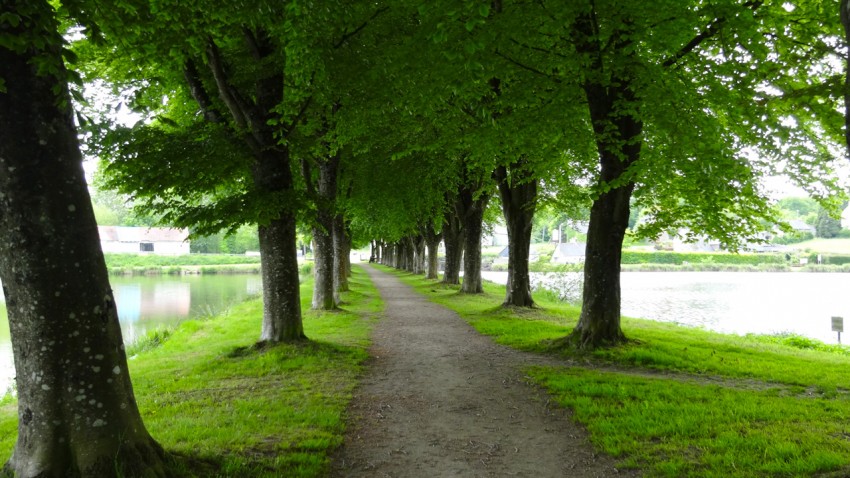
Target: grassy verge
205,393
680,401
149,264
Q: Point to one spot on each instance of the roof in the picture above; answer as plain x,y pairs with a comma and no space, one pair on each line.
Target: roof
570,249
142,234
799,225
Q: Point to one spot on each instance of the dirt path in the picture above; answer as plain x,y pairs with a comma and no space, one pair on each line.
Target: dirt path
440,400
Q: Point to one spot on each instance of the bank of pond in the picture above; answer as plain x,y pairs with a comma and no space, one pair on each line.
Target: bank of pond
675,401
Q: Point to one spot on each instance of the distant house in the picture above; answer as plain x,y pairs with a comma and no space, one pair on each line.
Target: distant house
569,253
800,226
503,256
151,240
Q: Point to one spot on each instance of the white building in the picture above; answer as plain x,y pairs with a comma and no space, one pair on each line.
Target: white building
569,253
151,240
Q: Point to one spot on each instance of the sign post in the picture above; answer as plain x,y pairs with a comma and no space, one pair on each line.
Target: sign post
838,326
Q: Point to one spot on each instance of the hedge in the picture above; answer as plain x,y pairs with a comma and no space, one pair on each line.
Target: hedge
832,259
667,257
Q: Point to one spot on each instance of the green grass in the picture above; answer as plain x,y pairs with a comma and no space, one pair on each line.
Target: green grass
152,260
680,401
832,246
205,393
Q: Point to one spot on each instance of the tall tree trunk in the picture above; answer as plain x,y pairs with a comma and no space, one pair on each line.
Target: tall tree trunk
844,9
271,174
373,255
323,262
432,242
341,255
77,414
518,191
419,254
324,289
453,240
614,112
473,224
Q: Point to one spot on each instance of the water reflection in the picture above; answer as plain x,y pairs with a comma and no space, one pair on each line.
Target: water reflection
736,302
145,303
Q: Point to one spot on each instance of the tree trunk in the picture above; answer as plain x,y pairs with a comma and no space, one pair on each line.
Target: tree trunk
77,415
323,261
419,254
453,240
519,200
341,255
324,290
844,9
281,287
473,224
614,114
599,323
432,242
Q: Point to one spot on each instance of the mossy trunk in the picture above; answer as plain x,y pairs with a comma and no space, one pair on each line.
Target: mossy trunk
432,243
77,414
453,240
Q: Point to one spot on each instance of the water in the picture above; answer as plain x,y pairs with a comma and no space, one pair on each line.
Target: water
737,302
145,303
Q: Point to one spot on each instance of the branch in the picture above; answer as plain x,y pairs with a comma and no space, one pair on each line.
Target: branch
357,30
528,68
709,31
199,93
240,116
298,117
537,48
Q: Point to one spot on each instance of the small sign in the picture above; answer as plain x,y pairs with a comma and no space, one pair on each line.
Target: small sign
838,324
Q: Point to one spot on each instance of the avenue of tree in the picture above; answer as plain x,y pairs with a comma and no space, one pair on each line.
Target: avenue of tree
401,124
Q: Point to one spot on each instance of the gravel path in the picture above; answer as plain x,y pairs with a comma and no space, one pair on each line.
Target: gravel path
440,400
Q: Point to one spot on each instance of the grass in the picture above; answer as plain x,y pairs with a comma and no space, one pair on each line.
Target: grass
827,246
152,260
680,401
207,394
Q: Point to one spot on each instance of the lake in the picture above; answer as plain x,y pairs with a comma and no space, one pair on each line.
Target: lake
737,302
147,302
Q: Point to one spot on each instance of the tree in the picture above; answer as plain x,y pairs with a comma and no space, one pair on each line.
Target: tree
827,226
76,409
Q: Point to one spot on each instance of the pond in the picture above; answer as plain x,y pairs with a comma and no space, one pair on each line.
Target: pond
147,302
737,302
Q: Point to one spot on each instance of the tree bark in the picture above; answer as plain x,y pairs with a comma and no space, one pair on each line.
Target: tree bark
324,289
342,248
618,143
282,320
453,240
419,254
518,192
252,116
844,9
432,242
472,208
77,414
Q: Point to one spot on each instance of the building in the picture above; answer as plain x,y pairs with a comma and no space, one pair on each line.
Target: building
569,253
151,240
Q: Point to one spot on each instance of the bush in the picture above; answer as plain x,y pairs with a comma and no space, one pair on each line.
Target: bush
830,259
666,257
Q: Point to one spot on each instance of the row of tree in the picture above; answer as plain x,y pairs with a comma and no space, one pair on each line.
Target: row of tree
395,122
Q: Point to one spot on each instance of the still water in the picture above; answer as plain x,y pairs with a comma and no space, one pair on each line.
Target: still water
145,303
737,302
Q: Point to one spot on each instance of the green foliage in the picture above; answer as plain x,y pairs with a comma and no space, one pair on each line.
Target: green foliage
665,257
827,226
